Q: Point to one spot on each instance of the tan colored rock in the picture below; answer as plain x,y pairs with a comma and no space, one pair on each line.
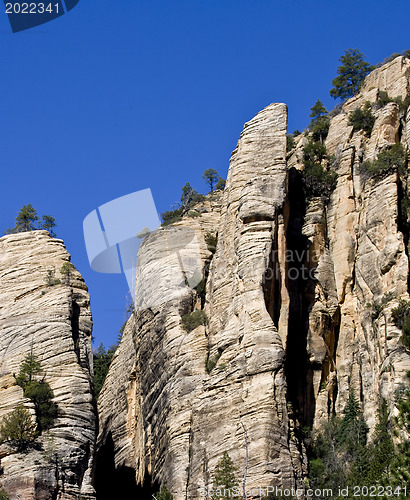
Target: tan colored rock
284,351
55,323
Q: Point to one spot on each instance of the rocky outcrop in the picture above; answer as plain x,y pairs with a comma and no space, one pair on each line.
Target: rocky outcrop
47,313
293,298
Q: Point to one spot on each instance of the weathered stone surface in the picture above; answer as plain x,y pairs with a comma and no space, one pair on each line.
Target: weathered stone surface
285,350
55,323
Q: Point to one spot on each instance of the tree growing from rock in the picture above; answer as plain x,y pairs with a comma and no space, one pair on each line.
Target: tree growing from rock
27,220
38,391
225,478
351,74
211,177
18,429
320,122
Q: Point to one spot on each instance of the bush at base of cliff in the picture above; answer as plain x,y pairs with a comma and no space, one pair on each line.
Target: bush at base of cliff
163,494
4,495
18,429
387,161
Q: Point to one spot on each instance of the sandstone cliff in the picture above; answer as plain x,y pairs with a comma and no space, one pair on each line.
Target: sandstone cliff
282,348
54,322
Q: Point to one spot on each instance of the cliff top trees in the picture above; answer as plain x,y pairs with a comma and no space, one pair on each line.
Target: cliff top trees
351,74
27,220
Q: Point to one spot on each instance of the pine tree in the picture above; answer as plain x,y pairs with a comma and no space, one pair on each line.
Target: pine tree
49,223
225,475
211,177
320,122
351,74
18,429
30,367
163,494
317,110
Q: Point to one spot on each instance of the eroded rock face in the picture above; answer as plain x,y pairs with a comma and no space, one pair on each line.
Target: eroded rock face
54,322
291,296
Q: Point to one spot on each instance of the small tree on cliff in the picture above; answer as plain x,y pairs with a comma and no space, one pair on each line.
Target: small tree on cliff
211,177
18,429
38,391
351,74
225,476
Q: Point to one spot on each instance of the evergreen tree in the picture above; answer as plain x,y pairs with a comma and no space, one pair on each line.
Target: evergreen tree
102,361
382,451
320,122
225,475
211,177
163,494
189,195
49,223
18,429
220,184
317,110
38,391
351,74
353,428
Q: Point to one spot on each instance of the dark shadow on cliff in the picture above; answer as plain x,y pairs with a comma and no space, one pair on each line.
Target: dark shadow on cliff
112,483
301,288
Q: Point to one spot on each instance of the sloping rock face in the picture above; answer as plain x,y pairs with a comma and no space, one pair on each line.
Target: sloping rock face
298,298
53,321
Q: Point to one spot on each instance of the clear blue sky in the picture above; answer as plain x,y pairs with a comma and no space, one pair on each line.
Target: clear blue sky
132,94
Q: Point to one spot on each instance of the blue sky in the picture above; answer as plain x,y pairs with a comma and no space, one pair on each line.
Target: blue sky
133,94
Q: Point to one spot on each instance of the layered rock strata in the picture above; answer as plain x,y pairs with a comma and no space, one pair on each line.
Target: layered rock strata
47,313
298,298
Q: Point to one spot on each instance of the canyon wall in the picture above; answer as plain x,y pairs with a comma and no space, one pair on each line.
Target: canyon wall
299,295
47,313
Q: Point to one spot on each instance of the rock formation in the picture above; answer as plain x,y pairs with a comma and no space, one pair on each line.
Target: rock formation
291,296
47,313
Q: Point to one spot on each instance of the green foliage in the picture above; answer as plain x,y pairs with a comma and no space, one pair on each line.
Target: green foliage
384,98
320,122
296,132
67,270
49,223
18,429
353,429
401,318
193,320
51,280
387,161
189,198
362,119
163,494
4,495
38,391
317,110
225,475
351,74
27,218
211,177
317,181
102,360
220,185
41,395
210,363
171,216
211,241
290,142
